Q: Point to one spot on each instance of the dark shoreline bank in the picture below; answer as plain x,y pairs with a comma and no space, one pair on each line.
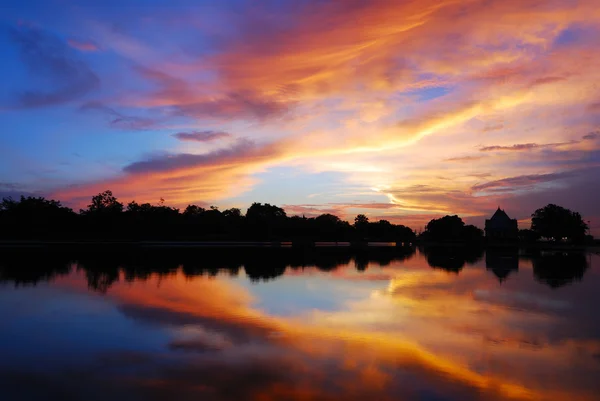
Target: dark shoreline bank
45,244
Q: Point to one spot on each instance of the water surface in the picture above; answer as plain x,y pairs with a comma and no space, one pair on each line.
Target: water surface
270,325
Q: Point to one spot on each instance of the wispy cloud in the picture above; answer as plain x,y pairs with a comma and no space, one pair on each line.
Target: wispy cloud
12,190
495,127
514,183
243,105
83,45
184,100
52,62
547,80
122,121
530,146
201,136
464,159
242,151
592,135
517,147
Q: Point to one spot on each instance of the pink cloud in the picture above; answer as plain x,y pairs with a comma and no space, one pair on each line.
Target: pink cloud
83,45
339,83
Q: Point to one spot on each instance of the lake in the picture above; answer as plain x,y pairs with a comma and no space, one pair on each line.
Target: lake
288,324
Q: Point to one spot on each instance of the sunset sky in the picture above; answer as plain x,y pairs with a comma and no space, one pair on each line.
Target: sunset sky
402,110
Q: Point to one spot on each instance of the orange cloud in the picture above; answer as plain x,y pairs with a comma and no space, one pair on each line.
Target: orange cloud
385,93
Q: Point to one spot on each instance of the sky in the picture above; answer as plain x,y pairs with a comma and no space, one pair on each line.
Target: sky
401,110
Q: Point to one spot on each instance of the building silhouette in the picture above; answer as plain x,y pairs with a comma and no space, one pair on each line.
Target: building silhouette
501,227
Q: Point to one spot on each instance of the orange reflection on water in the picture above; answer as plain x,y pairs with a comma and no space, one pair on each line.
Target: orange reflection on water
423,331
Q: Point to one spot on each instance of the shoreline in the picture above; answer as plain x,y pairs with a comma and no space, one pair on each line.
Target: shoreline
29,244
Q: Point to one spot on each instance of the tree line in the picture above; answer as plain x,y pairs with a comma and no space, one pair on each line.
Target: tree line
551,223
106,218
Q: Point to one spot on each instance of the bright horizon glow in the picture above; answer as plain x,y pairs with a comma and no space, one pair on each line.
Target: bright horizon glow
404,111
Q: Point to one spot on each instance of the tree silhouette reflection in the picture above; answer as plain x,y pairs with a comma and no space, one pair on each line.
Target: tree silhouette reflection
31,267
557,269
451,258
103,269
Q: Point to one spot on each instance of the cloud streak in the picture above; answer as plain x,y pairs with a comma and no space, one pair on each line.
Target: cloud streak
201,136
83,45
51,61
119,120
516,183
517,148
530,146
244,151
464,159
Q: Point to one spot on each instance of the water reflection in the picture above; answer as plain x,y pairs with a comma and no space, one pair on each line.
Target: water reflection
258,264
553,268
333,325
559,268
502,261
451,258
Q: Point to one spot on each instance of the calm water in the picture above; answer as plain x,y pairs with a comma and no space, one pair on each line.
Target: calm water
445,325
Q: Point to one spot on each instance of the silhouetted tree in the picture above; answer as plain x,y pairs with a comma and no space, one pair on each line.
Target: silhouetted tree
232,221
361,220
259,211
193,210
212,221
35,218
104,203
361,224
329,227
526,235
451,228
147,221
233,213
471,233
445,228
265,221
106,218
381,230
300,229
103,217
556,222
134,207
327,219
404,234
